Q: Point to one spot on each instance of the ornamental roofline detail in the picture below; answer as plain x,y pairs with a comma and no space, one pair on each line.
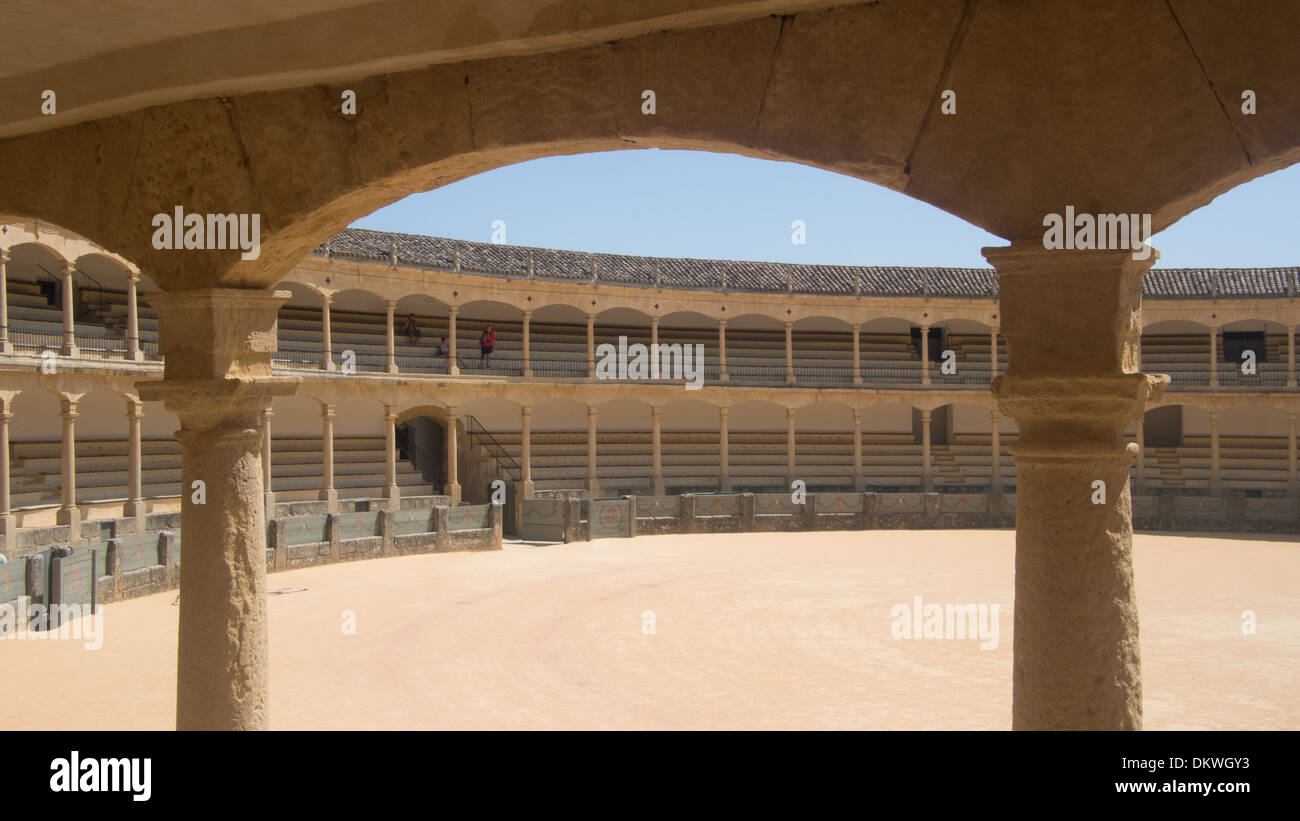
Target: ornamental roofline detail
522,262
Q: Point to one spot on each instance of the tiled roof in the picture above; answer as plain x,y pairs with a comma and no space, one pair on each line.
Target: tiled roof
737,275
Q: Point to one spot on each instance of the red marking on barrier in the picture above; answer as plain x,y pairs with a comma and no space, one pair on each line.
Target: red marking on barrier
1268,505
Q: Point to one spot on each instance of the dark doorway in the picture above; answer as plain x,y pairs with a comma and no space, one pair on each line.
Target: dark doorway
421,441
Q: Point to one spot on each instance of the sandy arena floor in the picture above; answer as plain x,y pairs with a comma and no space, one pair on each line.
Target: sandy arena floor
751,631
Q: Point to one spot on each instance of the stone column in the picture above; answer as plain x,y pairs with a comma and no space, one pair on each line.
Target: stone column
390,336
327,345
1290,357
133,352
327,492
789,352
724,452
859,481
69,514
654,330
392,492
268,494
526,451
995,444
217,343
134,507
591,346
857,354
722,351
593,485
1290,455
789,447
452,368
1214,357
927,481
8,523
1076,659
452,487
1215,482
925,354
656,450
993,352
1141,457
527,343
69,321
5,345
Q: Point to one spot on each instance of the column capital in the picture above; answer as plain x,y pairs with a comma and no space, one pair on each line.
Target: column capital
69,267
524,410
4,255
790,413
1215,416
527,313
68,408
134,409
857,415
391,305
452,310
390,413
722,322
327,410
656,412
722,413
592,411
926,414
1290,417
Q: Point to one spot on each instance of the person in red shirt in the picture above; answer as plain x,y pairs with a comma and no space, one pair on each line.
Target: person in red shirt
486,342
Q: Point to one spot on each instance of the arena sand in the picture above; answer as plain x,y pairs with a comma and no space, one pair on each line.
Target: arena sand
750,631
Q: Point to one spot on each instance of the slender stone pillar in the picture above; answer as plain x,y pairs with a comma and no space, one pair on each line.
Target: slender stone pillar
327,492
1141,485
1290,455
591,346
1215,481
69,514
993,352
69,320
269,493
789,352
133,352
927,481
527,343
654,331
327,345
452,487
8,523
995,458
1290,357
217,344
593,485
859,481
724,452
722,351
392,492
789,447
857,354
134,507
925,354
1073,392
452,367
526,450
1214,357
390,336
5,345
656,449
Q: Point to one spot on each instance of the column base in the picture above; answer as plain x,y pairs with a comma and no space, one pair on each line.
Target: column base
329,365
859,484
6,347
331,499
268,501
526,489
453,490
70,350
593,487
135,356
391,367
725,484
8,534
70,516
135,510
659,485
528,373
724,377
394,496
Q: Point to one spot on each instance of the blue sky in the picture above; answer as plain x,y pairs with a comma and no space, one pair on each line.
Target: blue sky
697,204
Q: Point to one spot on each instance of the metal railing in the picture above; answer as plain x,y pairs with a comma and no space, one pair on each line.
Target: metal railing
479,435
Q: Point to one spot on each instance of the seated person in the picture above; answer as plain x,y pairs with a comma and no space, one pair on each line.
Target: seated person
411,330
444,349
